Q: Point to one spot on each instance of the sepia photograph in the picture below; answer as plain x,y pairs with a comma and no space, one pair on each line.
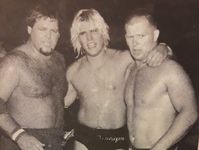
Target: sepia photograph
99,74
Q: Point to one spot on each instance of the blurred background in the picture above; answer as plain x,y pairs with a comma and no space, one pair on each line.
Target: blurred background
178,22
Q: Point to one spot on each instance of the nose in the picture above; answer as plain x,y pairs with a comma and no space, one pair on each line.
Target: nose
135,41
89,36
48,34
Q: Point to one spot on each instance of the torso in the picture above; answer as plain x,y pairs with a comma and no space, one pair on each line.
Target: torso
37,101
101,92
154,112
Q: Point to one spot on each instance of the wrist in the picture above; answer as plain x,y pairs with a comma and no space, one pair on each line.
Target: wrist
17,134
169,50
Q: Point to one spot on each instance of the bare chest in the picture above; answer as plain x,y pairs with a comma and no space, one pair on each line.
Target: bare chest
104,80
149,87
39,80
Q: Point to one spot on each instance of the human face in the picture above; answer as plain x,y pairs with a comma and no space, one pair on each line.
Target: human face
141,37
44,35
91,39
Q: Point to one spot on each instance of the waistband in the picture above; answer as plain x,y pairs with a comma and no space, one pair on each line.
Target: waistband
46,131
84,128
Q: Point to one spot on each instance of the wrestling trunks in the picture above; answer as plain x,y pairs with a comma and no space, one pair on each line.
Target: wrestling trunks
102,139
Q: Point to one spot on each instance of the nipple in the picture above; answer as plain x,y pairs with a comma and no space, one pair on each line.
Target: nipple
111,86
94,89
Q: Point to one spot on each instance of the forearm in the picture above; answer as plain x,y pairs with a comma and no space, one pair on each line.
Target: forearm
8,124
169,50
182,123
70,97
130,122
68,102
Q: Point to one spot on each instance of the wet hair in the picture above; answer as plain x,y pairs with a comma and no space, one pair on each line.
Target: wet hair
92,16
41,10
142,12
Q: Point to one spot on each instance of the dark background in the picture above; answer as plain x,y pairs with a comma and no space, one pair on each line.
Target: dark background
178,23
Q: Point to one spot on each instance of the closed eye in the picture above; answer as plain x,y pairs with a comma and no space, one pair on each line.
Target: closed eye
82,33
140,35
55,30
42,28
94,30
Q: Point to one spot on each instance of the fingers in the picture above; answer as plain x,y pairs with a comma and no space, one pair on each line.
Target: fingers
39,146
155,59
27,142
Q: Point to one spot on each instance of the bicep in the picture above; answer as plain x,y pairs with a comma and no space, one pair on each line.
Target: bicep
8,80
180,90
71,94
129,89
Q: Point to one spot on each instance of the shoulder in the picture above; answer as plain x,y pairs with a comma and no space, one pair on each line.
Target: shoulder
14,58
172,70
12,62
74,67
59,59
120,55
171,66
59,56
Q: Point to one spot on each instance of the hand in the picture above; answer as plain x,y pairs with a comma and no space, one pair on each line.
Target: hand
158,55
67,136
132,139
28,142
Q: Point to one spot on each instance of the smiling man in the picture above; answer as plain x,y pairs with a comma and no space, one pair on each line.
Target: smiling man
98,79
32,87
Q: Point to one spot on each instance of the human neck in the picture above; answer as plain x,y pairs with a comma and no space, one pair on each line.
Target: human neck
140,63
97,61
143,62
35,53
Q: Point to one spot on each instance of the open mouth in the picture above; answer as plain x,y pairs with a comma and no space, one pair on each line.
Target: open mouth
136,51
91,45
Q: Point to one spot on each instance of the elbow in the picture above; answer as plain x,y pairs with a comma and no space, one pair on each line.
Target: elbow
68,101
66,105
193,116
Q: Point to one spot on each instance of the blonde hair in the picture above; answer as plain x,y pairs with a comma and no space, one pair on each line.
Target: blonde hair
87,15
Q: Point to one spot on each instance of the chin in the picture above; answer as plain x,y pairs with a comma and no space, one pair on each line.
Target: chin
46,53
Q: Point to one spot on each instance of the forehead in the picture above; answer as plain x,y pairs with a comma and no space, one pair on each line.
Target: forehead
87,26
47,21
139,25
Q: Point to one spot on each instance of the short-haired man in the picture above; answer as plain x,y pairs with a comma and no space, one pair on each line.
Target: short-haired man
161,106
33,86
98,79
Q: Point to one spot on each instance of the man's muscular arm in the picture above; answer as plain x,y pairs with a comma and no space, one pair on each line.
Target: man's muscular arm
9,80
158,55
182,97
130,100
70,97
71,94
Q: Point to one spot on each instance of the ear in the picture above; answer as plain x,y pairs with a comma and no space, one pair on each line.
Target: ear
156,33
29,29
